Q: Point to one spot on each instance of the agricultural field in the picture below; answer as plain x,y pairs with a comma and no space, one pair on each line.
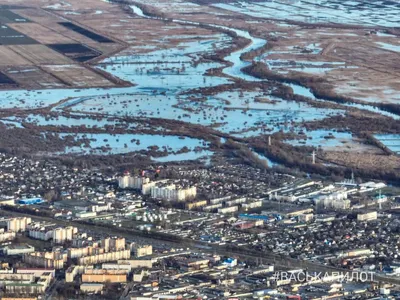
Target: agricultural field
30,36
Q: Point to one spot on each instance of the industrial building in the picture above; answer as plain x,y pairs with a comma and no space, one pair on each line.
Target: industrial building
101,207
195,204
7,200
228,210
91,287
30,201
368,216
85,214
138,263
20,249
251,205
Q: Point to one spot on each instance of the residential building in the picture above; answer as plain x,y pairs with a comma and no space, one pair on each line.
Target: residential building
132,182
46,259
113,244
6,235
18,224
104,257
172,192
142,250
369,216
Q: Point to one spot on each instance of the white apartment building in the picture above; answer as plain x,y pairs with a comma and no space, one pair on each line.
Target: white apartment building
132,182
59,234
18,224
172,192
6,235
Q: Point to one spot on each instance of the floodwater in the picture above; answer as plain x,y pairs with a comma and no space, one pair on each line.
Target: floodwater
392,141
359,12
160,77
322,138
235,70
108,143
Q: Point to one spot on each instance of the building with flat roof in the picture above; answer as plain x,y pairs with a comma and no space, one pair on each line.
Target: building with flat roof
142,250
132,182
18,224
54,260
30,201
20,249
172,191
138,263
73,271
104,278
196,204
59,235
25,283
6,235
4,200
92,287
368,216
37,272
85,214
104,257
113,244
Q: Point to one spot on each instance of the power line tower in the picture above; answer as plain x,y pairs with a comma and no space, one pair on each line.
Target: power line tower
313,155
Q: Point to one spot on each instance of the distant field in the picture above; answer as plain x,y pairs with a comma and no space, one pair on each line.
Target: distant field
8,57
8,16
76,52
34,41
4,79
41,34
32,77
77,76
358,12
9,36
90,34
40,54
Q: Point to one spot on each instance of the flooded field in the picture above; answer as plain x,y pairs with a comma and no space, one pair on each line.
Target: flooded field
382,13
322,138
193,77
392,141
230,112
104,144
